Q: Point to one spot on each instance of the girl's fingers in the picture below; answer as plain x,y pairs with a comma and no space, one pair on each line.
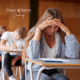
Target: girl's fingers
56,19
57,22
49,22
49,18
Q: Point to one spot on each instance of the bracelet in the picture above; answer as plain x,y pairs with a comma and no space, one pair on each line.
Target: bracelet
39,29
39,32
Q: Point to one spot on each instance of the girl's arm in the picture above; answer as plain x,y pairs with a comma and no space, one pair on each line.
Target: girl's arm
37,35
33,50
71,47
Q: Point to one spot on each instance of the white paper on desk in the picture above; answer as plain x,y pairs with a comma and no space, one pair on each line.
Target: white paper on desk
52,59
17,49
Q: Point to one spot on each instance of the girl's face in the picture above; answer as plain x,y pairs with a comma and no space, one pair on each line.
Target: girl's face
52,29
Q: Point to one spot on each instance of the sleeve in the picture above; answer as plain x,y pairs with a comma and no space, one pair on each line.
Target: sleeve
5,36
71,47
33,50
32,29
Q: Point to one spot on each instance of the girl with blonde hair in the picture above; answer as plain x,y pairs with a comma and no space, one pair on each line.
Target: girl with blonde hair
50,38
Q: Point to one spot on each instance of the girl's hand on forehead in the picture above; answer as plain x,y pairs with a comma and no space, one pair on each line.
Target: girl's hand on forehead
49,18
57,22
62,26
48,22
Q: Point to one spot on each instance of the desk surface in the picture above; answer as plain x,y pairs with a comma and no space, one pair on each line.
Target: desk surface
68,63
12,50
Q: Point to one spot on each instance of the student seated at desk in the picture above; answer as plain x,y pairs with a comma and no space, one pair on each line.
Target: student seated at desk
13,40
2,30
50,38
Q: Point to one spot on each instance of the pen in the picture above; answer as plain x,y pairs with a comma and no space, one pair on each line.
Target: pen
53,61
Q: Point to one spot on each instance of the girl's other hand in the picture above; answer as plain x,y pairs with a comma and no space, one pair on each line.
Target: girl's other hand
62,26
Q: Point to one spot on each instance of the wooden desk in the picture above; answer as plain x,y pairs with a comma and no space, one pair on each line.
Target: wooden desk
13,50
69,63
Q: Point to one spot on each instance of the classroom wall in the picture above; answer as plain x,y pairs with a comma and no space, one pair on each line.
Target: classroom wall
70,11
10,11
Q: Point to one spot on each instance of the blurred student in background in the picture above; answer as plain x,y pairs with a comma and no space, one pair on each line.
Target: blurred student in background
13,40
2,30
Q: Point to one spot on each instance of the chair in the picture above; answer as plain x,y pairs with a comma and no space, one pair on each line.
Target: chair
18,68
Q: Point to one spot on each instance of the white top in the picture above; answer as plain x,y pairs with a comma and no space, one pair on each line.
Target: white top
51,52
8,36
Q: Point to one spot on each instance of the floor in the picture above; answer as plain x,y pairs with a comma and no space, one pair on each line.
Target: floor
14,70
73,74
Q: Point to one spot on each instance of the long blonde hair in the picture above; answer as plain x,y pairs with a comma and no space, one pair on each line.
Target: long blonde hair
55,13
